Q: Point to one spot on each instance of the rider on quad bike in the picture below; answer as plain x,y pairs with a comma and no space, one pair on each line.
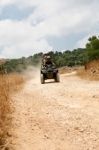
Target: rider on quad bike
48,70
47,61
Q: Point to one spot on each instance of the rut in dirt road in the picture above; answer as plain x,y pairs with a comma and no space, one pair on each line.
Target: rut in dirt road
56,116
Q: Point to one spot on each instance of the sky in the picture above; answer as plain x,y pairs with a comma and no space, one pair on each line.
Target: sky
33,26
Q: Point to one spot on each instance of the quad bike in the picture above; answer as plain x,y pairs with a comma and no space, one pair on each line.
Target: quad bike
49,72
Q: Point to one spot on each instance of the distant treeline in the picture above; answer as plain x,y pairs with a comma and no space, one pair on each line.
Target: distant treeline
77,57
66,58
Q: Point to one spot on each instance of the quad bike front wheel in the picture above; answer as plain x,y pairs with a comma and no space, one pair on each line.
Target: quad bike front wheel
57,79
42,79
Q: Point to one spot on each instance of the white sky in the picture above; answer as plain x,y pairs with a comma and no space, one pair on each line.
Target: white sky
32,26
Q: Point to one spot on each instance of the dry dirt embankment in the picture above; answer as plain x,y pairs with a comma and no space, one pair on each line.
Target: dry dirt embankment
56,116
90,71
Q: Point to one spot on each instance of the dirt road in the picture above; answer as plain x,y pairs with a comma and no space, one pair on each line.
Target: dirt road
56,116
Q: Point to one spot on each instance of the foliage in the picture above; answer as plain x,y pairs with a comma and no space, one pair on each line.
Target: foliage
66,58
92,48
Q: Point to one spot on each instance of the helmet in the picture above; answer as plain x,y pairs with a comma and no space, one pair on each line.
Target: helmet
48,57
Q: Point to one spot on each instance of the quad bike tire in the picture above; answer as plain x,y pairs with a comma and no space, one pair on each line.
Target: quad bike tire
57,79
42,79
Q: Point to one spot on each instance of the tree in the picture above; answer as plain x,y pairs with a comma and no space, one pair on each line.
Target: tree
92,48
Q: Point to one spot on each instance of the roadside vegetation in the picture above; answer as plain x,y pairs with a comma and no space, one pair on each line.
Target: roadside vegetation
68,58
8,84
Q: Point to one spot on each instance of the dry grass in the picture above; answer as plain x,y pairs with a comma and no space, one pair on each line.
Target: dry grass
87,74
8,84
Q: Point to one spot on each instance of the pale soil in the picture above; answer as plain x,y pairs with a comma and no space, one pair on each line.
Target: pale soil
56,116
